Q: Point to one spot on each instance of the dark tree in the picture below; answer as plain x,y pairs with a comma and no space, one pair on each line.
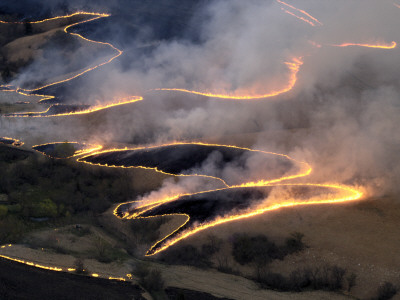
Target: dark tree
28,28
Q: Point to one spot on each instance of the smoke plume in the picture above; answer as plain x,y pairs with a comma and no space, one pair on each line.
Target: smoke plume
340,116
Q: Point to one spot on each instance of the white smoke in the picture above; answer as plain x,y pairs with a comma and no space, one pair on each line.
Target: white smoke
341,116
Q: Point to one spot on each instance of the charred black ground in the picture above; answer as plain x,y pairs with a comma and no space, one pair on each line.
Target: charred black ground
173,159
207,207
59,150
186,159
9,141
19,281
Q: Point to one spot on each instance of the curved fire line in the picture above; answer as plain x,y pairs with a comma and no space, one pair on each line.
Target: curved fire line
44,114
344,194
57,268
11,141
384,46
30,92
311,22
164,243
86,149
293,66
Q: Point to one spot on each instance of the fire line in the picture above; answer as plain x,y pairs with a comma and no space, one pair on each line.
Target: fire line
293,66
344,194
390,46
301,11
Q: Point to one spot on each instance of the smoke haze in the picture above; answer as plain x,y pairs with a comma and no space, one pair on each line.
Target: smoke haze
341,116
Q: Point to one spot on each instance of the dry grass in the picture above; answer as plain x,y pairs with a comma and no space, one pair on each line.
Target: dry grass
360,237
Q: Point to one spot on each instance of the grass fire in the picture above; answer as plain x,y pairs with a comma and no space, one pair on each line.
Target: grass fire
199,149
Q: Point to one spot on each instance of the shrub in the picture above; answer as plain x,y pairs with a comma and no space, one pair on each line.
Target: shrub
151,280
336,278
212,246
298,280
223,265
104,252
256,249
351,281
80,267
267,279
44,208
3,211
386,291
326,278
294,243
14,208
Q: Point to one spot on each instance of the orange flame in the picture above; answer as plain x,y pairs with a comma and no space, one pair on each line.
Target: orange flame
127,100
15,142
298,17
28,92
392,45
88,149
306,169
352,195
55,268
346,194
96,16
293,66
301,11
59,17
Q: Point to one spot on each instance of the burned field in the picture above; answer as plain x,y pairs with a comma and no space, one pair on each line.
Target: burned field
211,208
249,189
57,109
326,97
10,141
233,165
173,159
19,281
60,150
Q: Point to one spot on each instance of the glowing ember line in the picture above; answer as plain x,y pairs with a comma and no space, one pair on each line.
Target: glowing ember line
306,167
15,142
306,170
59,17
392,45
89,149
301,11
28,92
298,17
54,268
354,195
119,53
293,66
346,194
117,278
315,44
31,263
42,114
